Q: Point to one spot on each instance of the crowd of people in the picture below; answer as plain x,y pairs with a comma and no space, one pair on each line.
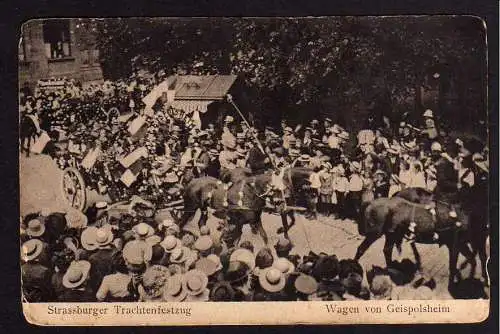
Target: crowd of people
136,256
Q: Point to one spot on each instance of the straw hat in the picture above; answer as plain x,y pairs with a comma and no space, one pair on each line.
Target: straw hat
137,252
343,135
237,271
77,273
245,256
173,290
207,266
31,249
304,158
195,282
35,228
153,281
170,243
101,205
356,165
284,265
203,243
229,119
103,236
272,280
215,259
76,219
179,254
428,113
143,230
306,284
381,287
88,238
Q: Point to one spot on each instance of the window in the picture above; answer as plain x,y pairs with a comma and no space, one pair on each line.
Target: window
56,36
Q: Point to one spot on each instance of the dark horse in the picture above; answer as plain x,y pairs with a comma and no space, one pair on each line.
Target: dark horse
392,217
241,202
478,222
27,132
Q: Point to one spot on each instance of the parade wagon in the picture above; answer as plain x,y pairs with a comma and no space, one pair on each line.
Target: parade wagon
192,101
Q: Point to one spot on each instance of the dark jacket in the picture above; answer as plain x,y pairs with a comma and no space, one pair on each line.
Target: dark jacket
36,282
447,179
102,262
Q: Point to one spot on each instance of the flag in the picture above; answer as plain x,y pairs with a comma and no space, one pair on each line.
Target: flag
137,154
90,159
40,143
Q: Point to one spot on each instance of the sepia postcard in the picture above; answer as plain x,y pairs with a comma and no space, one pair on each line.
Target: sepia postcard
206,171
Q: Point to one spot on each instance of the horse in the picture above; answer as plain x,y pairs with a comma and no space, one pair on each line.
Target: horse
241,202
478,221
28,131
416,195
395,217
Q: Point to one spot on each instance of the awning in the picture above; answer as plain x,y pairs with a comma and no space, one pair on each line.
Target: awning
190,106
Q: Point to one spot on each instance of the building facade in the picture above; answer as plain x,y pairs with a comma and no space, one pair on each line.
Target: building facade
57,48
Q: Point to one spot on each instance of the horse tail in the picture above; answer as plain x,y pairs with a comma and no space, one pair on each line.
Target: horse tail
365,216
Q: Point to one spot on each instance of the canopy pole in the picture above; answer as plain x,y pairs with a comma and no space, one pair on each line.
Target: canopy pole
259,145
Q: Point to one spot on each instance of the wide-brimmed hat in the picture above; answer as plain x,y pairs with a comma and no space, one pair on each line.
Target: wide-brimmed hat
284,265
393,150
154,280
356,165
381,287
236,272
153,240
203,243
179,254
31,249
343,135
170,243
87,238
207,266
76,274
428,113
143,230
222,292
306,284
195,282
76,219
245,256
103,236
137,252
174,289
435,146
171,178
380,172
272,279
35,228
304,157
101,205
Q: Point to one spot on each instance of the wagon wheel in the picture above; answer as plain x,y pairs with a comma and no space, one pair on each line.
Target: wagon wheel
73,188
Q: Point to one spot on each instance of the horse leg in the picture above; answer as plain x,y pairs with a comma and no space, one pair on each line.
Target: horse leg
484,260
453,252
203,217
284,221
470,257
418,259
363,247
292,218
388,247
263,233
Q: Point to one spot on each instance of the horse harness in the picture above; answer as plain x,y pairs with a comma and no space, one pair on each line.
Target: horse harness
411,236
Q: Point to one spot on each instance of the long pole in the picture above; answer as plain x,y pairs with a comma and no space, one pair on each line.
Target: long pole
259,145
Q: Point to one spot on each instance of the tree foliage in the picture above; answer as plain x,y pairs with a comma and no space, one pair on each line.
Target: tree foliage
346,64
